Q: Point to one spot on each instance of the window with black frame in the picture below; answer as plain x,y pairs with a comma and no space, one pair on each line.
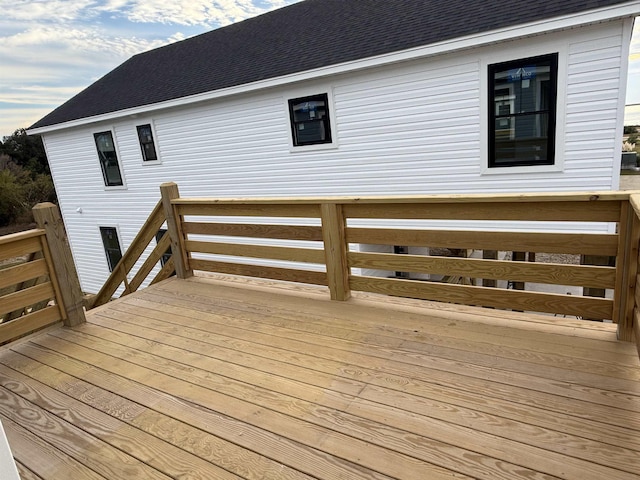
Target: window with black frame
111,246
310,120
522,111
108,158
166,256
147,145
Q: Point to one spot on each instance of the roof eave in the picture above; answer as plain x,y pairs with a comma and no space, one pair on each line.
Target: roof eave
600,15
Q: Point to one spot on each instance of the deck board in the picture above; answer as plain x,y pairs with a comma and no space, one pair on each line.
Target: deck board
209,378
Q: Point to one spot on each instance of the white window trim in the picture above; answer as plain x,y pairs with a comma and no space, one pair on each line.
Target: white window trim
516,53
308,92
118,154
147,121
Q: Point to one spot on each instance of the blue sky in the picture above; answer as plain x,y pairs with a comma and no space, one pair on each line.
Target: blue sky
52,49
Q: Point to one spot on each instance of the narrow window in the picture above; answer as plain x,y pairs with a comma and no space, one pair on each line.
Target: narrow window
147,145
166,255
310,120
111,246
108,159
522,111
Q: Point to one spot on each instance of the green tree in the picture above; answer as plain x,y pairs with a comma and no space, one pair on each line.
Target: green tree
24,177
27,151
630,129
11,179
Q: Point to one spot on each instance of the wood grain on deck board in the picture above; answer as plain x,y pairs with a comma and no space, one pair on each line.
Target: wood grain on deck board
233,381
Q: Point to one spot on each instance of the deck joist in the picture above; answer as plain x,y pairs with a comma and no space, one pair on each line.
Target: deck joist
213,379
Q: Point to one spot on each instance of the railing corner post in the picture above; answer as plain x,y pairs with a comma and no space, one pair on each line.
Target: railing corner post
335,250
169,192
47,216
627,264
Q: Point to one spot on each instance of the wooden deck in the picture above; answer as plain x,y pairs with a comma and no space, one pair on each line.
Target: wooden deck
212,379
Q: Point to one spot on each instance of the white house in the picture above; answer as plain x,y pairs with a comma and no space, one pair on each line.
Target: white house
347,97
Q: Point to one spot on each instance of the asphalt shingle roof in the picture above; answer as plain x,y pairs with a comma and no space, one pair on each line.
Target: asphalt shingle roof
303,36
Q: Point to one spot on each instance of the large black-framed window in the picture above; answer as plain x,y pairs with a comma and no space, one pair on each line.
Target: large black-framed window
147,145
310,123
111,246
522,111
108,159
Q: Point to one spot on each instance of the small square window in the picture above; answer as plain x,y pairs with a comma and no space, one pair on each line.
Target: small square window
310,123
108,159
522,111
111,246
147,145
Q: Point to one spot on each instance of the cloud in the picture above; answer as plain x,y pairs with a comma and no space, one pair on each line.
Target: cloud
52,49
37,95
14,118
189,12
632,115
206,13
49,11
79,41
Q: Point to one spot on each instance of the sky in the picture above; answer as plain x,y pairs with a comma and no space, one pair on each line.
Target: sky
52,49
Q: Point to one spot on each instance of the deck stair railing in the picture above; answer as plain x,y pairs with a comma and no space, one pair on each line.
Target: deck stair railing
132,256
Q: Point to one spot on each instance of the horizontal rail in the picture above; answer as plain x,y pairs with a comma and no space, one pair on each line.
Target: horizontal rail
242,210
289,254
21,245
559,274
29,323
486,297
572,243
26,297
530,211
282,232
274,273
528,197
23,272
13,238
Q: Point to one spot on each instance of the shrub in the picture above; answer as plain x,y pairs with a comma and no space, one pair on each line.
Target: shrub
19,192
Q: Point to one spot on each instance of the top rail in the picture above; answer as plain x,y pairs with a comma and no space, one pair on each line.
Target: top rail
391,199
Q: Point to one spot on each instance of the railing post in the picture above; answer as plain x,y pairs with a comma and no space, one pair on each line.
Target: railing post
335,250
169,191
627,266
48,218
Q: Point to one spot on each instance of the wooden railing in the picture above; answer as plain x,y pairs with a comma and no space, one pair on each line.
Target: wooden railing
40,286
132,256
633,233
317,241
235,236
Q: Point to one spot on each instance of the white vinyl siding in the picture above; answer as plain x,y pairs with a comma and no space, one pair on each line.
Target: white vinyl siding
409,128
